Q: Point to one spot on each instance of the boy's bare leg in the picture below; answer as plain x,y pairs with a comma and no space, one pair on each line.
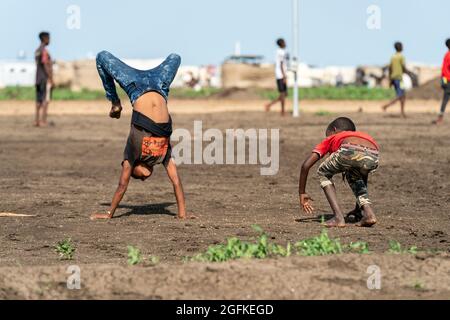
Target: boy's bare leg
44,108
369,218
357,212
338,220
37,115
439,120
282,100
271,103
392,102
402,106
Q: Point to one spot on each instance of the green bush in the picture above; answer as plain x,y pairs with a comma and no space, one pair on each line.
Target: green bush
418,285
153,260
359,247
321,113
188,93
395,247
65,249
319,246
334,93
261,248
28,93
325,92
236,249
134,256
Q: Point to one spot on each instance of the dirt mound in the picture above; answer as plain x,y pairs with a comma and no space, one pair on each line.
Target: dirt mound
328,277
430,90
242,75
237,94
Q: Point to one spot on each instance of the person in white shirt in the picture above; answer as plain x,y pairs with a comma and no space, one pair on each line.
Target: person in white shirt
280,75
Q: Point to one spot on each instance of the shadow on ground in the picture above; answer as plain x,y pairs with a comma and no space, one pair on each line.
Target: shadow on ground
147,209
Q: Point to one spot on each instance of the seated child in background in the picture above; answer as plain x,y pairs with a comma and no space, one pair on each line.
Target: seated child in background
352,153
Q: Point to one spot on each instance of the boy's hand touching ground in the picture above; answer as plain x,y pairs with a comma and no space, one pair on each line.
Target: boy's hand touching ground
305,202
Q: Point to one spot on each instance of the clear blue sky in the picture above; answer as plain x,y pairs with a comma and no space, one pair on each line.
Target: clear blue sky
204,31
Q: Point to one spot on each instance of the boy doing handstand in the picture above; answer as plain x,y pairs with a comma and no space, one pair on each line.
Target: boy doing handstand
151,125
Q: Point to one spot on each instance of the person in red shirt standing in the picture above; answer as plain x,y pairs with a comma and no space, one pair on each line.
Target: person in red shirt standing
354,154
44,79
445,83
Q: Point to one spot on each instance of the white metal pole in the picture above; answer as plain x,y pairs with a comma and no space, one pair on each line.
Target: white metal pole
295,59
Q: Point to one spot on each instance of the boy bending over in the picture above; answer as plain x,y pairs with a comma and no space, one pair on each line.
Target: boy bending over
151,125
352,153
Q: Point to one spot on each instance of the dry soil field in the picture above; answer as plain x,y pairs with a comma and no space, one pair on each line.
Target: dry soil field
62,173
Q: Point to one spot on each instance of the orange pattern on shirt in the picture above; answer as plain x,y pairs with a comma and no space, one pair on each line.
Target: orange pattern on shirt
154,146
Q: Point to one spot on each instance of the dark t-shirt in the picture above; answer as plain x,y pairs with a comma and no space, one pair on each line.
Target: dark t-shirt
143,146
41,57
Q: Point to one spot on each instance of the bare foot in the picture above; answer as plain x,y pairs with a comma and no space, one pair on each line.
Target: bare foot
367,222
43,124
36,124
438,121
115,112
100,216
335,223
187,216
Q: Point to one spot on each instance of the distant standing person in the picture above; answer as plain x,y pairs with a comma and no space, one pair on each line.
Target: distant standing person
445,83
44,79
396,70
280,75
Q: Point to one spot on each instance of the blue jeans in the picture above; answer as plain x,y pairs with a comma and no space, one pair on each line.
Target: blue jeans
398,87
135,82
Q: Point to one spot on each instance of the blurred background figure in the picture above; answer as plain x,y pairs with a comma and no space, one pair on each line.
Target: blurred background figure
44,79
445,83
281,59
396,70
339,80
191,81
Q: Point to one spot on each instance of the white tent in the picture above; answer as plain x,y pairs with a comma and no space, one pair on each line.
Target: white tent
17,73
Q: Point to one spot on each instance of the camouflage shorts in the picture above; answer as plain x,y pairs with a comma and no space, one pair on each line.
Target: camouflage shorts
355,163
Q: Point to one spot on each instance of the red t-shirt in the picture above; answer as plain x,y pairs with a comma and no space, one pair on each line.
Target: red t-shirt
45,57
446,66
332,143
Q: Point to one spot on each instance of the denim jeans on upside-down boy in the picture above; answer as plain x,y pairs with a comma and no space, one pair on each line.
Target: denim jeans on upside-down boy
133,81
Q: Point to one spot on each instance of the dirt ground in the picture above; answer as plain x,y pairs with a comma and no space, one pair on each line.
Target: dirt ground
64,172
328,277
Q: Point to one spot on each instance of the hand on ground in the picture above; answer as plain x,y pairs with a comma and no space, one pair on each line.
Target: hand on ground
305,202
